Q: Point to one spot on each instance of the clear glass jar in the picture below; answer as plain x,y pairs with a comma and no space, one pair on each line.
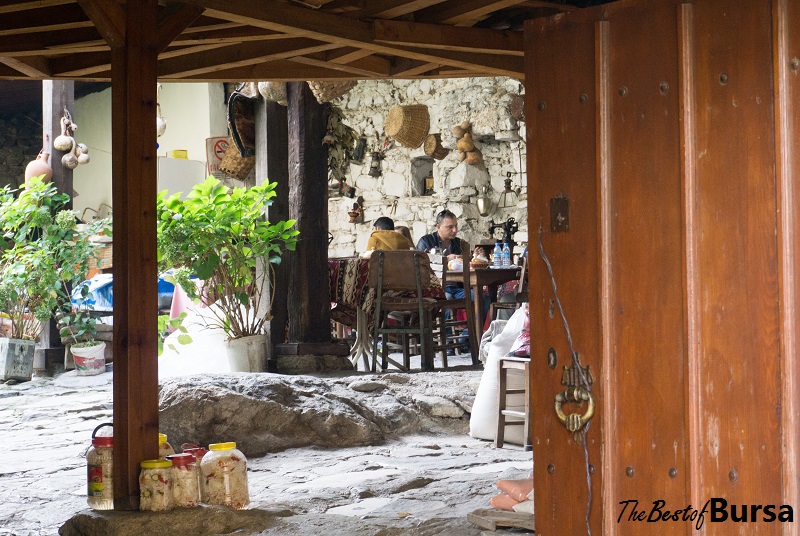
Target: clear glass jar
164,448
224,472
185,480
100,473
155,486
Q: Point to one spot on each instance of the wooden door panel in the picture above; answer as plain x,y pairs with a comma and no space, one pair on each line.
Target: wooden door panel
678,271
737,304
643,208
560,111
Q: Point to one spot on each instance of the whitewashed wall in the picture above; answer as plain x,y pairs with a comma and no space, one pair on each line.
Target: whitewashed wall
483,101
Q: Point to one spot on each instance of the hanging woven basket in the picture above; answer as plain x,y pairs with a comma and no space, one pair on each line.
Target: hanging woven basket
326,91
433,146
408,125
516,108
235,165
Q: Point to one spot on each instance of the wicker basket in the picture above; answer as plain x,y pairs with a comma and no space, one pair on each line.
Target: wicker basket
433,146
516,108
408,125
326,91
235,165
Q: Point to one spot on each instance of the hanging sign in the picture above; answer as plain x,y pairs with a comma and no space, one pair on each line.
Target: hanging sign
215,151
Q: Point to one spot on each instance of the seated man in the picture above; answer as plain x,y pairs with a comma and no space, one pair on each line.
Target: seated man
384,237
445,241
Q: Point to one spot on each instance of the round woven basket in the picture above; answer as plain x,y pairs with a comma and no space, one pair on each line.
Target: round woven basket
433,146
326,91
408,125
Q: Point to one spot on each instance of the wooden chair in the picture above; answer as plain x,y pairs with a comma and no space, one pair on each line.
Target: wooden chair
406,272
448,331
520,297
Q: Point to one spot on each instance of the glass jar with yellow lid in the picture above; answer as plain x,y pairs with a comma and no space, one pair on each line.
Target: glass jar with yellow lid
224,475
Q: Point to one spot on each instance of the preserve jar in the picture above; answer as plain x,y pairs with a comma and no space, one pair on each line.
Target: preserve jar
224,473
198,452
164,448
100,471
155,486
185,480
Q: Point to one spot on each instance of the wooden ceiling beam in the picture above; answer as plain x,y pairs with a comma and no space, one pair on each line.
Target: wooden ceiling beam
305,22
375,70
79,65
240,34
37,4
31,67
409,69
44,20
391,9
281,70
109,19
442,37
240,56
548,5
347,55
41,43
462,12
173,20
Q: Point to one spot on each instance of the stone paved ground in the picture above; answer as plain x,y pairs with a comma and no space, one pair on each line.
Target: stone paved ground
418,484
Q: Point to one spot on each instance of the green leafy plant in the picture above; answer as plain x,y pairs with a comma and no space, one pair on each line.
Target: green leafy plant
222,236
165,323
46,255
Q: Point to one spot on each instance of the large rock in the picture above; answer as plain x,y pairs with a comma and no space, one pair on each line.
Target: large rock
266,413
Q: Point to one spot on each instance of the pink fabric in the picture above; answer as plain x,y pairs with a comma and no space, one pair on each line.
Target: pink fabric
522,346
182,303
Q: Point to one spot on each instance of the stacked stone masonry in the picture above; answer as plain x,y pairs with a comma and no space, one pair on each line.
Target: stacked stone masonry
396,192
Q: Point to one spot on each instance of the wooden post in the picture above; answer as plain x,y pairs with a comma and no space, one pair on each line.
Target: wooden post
272,165
56,96
133,78
309,316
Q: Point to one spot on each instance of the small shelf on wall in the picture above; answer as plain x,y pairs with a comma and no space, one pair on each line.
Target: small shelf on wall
422,176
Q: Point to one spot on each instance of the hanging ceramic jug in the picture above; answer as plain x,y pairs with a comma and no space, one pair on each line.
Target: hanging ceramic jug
39,166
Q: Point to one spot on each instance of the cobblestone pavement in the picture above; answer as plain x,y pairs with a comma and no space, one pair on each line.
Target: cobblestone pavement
407,485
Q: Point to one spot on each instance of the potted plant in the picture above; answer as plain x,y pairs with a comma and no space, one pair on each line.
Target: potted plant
46,254
222,236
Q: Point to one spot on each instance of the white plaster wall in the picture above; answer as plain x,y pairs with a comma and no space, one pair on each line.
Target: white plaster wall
484,102
194,112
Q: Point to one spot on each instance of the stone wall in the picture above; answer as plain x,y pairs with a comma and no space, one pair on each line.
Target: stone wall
20,142
484,102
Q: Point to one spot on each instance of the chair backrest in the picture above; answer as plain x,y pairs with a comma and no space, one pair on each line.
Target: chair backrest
401,270
442,271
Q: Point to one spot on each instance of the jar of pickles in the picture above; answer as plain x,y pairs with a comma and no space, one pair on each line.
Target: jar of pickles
224,473
155,486
100,471
185,480
164,448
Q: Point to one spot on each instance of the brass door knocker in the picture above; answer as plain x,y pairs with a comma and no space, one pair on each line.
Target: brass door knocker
574,422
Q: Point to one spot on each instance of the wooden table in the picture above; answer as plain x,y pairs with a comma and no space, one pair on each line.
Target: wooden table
491,278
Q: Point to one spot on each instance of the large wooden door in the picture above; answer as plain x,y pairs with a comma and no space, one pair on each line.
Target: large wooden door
667,135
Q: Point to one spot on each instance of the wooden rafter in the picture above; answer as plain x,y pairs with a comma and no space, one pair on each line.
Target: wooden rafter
357,67
238,34
173,20
344,56
109,19
462,12
280,70
434,36
23,6
278,16
48,43
390,9
240,56
44,20
33,67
